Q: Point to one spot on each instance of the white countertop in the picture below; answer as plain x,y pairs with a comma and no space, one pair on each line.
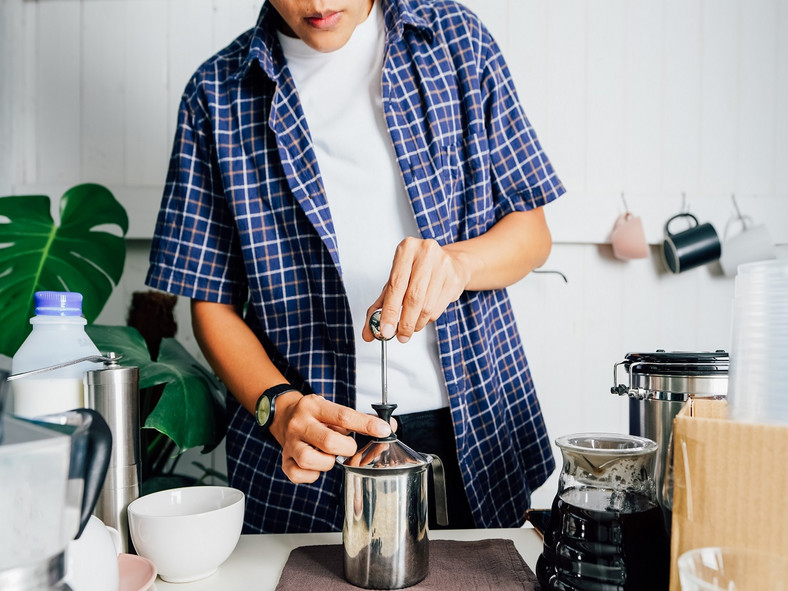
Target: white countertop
258,560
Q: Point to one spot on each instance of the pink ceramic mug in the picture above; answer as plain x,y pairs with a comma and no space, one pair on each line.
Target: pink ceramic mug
629,238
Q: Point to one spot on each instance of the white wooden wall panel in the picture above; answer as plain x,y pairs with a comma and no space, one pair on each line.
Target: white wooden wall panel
681,100
25,114
567,88
10,21
719,117
147,98
781,112
757,67
228,24
188,45
527,34
58,91
103,149
643,113
604,104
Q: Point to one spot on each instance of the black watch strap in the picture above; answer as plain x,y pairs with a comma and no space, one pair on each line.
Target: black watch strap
267,401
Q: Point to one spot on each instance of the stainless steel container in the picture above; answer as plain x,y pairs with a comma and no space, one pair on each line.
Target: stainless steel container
660,383
385,532
114,392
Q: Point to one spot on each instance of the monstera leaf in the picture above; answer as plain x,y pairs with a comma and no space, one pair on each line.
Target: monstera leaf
190,411
79,255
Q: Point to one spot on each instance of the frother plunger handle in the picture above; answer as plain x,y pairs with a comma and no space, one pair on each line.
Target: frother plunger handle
384,409
374,326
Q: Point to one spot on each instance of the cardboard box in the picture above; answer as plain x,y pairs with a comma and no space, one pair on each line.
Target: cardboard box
730,483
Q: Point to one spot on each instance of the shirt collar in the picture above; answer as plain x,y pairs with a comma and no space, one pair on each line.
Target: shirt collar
265,51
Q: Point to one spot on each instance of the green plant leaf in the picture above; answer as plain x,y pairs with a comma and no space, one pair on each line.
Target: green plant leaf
191,408
79,255
122,340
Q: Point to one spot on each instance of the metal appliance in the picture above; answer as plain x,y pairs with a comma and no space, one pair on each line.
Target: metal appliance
385,532
660,383
114,391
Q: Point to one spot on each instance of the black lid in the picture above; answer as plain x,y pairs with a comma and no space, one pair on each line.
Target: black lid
683,363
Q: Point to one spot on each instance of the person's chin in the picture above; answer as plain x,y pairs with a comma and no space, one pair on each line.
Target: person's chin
326,41
326,34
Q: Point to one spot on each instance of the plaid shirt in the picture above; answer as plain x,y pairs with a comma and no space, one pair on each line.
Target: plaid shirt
244,217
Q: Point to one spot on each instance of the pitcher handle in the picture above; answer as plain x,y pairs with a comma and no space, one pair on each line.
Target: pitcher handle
99,455
90,460
439,480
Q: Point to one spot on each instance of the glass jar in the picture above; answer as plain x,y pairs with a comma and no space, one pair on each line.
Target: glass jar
606,530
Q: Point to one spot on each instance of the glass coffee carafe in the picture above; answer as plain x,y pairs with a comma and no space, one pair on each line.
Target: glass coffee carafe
606,530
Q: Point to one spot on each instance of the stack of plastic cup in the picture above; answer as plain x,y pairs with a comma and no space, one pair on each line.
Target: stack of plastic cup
758,371
726,569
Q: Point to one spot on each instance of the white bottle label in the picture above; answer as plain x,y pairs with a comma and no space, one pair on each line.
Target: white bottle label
34,397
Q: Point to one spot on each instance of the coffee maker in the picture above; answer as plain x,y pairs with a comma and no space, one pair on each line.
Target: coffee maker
52,470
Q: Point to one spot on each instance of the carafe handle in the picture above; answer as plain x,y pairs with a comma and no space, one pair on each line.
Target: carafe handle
439,480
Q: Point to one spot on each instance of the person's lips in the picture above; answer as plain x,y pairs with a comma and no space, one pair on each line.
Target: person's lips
324,21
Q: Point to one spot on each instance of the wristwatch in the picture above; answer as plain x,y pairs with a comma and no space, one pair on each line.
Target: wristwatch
266,404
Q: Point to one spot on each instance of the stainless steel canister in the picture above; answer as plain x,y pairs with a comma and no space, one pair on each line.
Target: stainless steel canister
385,531
660,383
114,392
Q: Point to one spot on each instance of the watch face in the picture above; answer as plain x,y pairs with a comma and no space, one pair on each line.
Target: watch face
263,410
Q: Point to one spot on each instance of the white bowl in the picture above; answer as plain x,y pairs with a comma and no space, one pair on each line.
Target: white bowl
187,533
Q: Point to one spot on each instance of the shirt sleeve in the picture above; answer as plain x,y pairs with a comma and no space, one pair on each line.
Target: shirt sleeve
195,250
522,176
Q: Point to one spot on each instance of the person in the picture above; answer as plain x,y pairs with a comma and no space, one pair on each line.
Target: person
339,158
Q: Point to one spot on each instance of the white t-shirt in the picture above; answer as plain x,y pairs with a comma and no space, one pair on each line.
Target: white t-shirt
341,95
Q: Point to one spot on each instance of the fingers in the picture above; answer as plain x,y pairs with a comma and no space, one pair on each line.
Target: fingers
331,413
315,431
424,290
424,279
366,332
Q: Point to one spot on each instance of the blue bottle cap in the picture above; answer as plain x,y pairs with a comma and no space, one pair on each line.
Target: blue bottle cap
58,303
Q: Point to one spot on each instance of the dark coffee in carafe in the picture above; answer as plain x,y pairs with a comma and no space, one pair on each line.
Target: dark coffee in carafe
606,530
604,549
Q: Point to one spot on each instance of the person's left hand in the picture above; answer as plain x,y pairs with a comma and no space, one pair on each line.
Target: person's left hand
425,278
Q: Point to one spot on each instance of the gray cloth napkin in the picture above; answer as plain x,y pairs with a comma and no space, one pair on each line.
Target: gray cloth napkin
484,565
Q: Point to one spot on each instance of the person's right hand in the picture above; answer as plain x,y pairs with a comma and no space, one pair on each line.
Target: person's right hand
313,431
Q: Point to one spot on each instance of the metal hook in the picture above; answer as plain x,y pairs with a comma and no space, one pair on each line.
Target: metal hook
738,211
626,207
684,208
553,272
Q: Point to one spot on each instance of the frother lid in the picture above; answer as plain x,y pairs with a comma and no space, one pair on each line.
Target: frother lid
384,454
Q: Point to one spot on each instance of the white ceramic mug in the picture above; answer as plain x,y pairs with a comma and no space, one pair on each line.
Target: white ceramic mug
752,244
92,559
628,238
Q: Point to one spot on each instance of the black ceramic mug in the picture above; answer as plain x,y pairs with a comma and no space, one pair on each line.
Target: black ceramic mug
691,248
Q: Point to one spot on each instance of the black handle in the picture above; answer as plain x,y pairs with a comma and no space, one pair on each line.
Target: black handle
680,215
99,452
384,412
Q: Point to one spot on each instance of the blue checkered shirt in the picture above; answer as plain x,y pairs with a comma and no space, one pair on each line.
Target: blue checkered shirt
244,217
